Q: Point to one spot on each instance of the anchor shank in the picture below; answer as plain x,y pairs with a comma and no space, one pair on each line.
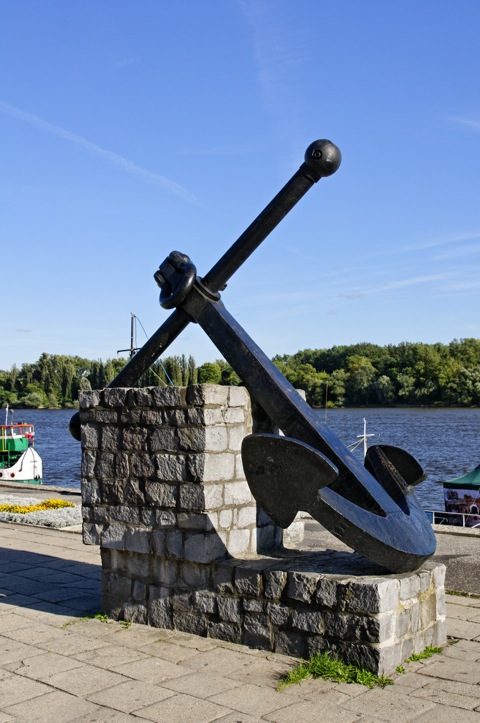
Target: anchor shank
258,230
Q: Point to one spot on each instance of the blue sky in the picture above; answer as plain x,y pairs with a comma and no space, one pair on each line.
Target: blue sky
132,128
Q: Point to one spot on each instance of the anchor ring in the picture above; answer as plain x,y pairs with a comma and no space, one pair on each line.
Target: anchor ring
173,294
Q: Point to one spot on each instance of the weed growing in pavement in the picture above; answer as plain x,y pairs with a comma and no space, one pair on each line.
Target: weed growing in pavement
427,653
105,619
98,616
324,665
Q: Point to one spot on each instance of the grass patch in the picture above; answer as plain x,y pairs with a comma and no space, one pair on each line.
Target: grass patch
427,653
98,616
329,667
105,619
102,617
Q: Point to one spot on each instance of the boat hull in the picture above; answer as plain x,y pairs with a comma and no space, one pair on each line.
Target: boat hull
27,469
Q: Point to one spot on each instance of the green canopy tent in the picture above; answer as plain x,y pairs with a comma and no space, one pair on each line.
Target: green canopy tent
463,495
469,481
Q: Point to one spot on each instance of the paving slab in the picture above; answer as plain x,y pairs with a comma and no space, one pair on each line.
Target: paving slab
16,690
450,693
42,666
447,714
453,669
201,685
69,644
395,705
324,709
463,650
84,680
465,629
111,656
53,706
153,670
11,650
184,708
131,695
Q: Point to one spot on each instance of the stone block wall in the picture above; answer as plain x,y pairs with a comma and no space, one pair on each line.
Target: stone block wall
184,546
162,473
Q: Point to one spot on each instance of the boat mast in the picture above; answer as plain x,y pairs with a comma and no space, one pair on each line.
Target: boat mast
132,334
361,438
365,435
133,348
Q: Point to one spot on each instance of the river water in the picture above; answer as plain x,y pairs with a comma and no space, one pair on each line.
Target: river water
445,441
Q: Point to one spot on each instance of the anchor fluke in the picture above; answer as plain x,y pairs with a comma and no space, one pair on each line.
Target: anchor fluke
284,474
405,464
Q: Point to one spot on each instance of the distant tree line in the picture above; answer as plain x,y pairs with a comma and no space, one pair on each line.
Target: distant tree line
55,380
370,375
355,375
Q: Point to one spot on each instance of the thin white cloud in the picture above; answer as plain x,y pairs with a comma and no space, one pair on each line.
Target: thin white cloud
456,252
282,296
109,156
413,281
381,288
445,241
127,61
279,57
469,122
454,239
463,285
274,60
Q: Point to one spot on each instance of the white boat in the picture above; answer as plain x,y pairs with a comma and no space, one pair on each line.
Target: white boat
19,461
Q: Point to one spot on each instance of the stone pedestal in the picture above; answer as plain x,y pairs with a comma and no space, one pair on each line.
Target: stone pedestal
184,546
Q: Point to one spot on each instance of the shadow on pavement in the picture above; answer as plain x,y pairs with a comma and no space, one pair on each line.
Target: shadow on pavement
50,584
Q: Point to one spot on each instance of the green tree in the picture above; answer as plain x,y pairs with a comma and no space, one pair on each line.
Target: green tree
174,370
361,375
384,390
406,387
209,373
192,371
337,388
35,397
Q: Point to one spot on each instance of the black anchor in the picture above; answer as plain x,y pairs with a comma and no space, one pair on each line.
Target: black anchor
373,508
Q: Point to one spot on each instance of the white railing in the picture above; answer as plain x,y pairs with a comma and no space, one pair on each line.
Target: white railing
455,519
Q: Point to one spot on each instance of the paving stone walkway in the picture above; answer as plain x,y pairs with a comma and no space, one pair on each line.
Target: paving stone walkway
58,664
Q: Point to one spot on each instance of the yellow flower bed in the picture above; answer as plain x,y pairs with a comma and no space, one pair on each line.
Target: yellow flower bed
47,505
